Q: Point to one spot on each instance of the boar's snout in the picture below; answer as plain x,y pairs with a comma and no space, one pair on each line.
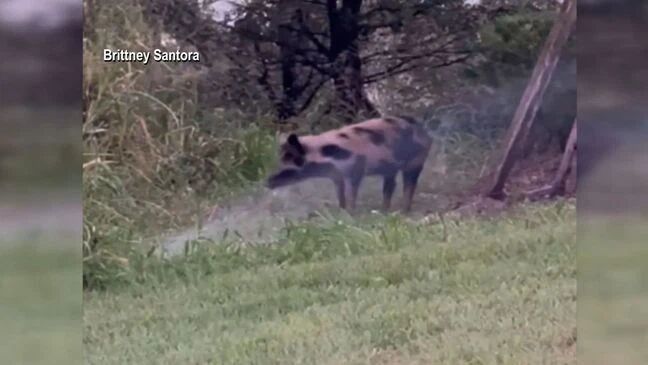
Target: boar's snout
282,178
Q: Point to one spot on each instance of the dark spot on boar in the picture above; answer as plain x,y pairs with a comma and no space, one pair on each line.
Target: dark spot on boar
299,161
406,148
385,168
408,119
376,137
343,135
318,169
335,152
293,141
286,157
407,134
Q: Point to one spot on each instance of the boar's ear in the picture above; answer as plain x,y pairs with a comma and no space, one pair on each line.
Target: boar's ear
293,141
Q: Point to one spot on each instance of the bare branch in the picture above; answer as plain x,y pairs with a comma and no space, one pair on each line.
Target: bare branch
404,62
315,2
263,79
407,50
321,48
323,66
557,185
406,66
300,88
309,99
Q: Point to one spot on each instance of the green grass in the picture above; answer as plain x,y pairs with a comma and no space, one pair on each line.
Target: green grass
40,302
378,291
613,290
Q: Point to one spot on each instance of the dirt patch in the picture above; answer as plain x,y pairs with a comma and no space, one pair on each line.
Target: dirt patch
260,215
529,174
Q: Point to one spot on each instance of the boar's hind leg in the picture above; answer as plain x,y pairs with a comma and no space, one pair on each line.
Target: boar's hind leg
389,184
354,180
410,180
339,190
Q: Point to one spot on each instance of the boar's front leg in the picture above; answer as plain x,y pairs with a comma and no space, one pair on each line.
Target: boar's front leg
339,189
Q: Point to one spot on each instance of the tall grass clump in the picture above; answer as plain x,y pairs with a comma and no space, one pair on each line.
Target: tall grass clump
152,153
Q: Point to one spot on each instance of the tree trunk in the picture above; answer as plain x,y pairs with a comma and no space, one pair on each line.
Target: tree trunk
531,100
288,39
348,85
557,185
286,107
350,99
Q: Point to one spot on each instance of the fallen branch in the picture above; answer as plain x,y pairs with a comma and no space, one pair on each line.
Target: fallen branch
557,185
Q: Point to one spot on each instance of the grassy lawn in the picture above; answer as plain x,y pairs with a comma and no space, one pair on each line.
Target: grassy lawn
379,291
613,291
40,301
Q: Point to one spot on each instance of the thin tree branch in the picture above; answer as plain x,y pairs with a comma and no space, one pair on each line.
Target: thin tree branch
263,79
300,88
309,99
321,48
404,67
401,52
557,185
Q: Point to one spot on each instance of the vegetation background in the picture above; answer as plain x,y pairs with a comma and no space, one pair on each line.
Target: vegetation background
165,143
147,300
174,148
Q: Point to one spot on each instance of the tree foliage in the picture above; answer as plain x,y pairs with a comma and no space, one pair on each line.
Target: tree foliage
295,50
299,57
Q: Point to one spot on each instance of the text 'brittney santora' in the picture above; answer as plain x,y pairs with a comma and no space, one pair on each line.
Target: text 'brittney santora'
157,55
